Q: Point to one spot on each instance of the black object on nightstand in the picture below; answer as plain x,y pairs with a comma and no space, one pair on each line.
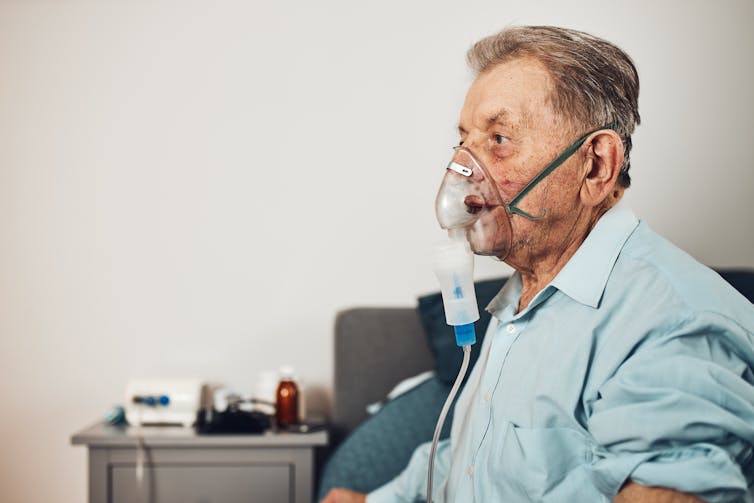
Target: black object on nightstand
209,421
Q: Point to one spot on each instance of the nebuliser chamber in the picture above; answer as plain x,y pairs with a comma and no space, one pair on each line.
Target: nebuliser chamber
454,267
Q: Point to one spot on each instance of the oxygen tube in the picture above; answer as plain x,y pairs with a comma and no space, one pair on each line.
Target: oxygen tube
454,267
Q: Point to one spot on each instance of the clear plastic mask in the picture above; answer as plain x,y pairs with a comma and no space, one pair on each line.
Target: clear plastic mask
468,203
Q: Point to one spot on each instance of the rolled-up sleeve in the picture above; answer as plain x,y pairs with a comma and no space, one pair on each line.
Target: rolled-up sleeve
679,413
411,484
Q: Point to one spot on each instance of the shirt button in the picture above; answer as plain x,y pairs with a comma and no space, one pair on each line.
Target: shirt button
511,328
470,471
487,397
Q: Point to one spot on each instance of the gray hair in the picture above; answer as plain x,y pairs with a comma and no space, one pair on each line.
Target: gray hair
595,82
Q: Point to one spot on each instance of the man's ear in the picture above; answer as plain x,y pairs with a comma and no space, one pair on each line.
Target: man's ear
603,162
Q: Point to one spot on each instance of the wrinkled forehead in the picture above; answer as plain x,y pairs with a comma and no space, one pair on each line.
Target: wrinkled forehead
516,93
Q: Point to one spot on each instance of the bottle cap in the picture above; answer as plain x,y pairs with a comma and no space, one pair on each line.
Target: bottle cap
287,372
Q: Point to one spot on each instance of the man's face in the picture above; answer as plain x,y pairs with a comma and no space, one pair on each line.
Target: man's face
507,122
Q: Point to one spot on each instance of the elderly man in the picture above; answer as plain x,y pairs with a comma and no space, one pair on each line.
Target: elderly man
615,367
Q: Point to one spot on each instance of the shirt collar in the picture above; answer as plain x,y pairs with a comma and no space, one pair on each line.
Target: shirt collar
585,275
506,298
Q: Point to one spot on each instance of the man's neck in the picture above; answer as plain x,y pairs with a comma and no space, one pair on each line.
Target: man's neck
537,271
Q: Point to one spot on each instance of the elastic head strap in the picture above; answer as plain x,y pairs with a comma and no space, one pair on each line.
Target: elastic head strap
546,171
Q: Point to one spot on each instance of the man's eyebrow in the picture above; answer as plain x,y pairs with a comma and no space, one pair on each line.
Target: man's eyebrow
502,116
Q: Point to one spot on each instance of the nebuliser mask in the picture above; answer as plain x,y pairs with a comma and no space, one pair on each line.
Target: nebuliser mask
470,207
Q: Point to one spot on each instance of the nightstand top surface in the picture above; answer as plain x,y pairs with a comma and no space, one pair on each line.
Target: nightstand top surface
105,435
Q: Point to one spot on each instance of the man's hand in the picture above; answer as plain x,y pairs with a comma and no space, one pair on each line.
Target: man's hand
344,496
635,493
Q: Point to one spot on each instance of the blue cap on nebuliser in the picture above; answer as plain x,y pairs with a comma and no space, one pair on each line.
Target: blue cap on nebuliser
465,334
454,267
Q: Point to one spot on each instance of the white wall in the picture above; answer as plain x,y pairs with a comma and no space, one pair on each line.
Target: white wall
194,188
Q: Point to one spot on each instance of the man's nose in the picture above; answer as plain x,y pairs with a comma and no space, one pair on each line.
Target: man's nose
475,143
476,136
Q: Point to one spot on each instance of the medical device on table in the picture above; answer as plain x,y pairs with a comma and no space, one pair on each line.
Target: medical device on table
163,401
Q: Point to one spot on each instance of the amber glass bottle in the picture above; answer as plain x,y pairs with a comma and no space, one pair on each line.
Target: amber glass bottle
286,399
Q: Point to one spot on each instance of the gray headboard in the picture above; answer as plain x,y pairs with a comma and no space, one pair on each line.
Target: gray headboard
375,348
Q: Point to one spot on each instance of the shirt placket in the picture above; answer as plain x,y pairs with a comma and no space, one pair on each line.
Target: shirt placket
505,335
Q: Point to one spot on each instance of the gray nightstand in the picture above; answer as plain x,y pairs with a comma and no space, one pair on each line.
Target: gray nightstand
181,466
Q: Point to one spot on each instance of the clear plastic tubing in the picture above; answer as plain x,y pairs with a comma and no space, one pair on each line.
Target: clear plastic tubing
443,414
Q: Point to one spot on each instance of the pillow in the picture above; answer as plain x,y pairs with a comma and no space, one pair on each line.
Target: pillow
442,340
740,279
381,447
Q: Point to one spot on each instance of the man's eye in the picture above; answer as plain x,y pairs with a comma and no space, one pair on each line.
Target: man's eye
499,139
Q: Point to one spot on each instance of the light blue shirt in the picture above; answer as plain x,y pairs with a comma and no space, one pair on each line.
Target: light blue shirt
635,362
